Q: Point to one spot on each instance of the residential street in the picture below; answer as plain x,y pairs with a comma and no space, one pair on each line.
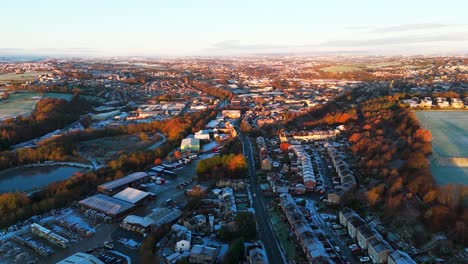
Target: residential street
265,229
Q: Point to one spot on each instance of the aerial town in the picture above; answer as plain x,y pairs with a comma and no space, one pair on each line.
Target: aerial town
256,160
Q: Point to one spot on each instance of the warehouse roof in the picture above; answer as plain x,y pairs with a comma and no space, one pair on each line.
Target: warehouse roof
106,204
131,195
137,220
81,258
122,181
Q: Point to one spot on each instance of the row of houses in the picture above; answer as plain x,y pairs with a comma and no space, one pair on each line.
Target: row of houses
347,179
265,160
441,102
227,204
306,166
309,136
368,239
312,247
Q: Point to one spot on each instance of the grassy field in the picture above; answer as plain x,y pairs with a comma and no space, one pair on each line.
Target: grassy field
108,148
93,98
23,103
364,66
341,68
27,76
449,131
64,96
18,104
383,64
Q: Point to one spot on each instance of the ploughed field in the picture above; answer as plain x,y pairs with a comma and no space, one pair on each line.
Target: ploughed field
449,129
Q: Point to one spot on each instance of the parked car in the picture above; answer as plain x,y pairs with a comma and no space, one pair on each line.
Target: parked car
338,249
364,259
352,246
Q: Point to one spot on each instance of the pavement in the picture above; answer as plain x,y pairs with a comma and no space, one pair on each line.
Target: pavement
265,229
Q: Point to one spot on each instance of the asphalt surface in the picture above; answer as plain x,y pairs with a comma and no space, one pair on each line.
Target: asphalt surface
265,229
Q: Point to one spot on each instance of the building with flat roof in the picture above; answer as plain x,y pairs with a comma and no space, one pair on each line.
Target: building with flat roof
110,206
131,180
190,144
132,195
81,258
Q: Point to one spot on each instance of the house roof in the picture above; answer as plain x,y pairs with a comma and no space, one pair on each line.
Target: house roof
366,231
378,245
400,257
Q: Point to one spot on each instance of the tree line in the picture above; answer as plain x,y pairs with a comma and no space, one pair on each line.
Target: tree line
49,115
232,166
393,150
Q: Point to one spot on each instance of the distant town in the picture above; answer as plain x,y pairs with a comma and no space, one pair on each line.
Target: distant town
267,159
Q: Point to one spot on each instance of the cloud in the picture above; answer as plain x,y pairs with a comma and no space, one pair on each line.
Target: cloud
410,27
73,51
237,45
410,39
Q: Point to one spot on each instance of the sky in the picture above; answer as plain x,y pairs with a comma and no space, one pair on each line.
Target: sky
236,27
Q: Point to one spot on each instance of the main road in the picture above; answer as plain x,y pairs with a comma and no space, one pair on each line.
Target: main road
266,232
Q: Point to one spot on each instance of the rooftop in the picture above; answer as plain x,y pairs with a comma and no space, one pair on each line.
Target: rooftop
106,204
122,181
131,195
81,258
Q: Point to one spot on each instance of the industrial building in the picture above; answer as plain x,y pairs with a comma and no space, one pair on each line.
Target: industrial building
133,196
190,144
49,235
81,258
107,205
131,180
157,218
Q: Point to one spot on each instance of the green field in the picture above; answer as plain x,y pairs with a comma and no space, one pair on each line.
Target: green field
449,129
27,76
341,68
63,96
23,103
363,66
18,104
